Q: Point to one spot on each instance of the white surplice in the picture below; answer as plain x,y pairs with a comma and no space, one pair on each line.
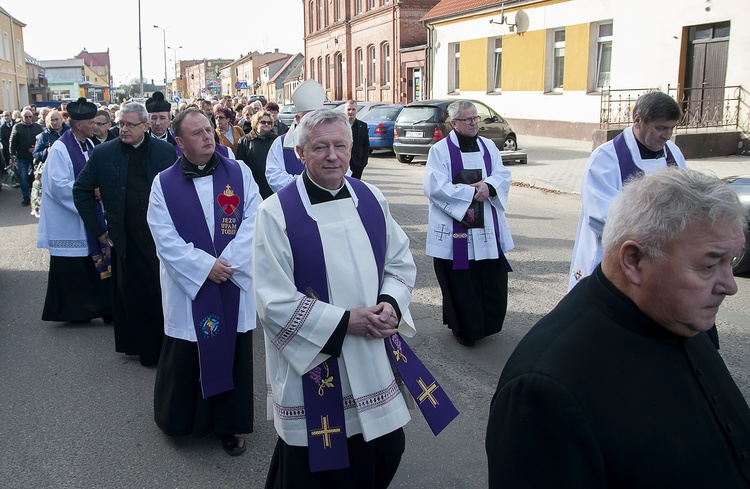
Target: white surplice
61,229
297,327
601,183
449,201
183,268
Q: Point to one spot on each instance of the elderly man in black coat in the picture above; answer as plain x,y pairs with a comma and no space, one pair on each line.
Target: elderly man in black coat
360,140
619,386
122,170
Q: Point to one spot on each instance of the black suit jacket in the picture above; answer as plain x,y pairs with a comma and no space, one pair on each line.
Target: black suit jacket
107,169
5,139
360,144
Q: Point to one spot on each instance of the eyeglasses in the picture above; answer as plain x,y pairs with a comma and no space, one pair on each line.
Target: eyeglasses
100,124
129,125
469,120
221,117
265,123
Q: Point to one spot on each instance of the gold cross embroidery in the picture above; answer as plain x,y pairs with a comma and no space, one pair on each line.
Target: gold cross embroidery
427,391
325,431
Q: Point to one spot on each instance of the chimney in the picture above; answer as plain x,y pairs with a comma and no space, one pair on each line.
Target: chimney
275,50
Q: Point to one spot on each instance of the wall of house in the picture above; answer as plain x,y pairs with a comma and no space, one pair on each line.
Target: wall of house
648,51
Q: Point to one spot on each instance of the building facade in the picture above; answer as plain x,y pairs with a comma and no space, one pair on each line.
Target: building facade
203,78
354,48
38,86
568,67
70,79
99,63
14,83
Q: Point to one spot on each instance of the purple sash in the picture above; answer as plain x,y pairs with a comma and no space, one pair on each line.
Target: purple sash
625,159
311,279
216,306
100,252
222,150
292,165
460,234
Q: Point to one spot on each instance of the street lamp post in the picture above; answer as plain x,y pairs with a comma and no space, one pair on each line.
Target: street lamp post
164,36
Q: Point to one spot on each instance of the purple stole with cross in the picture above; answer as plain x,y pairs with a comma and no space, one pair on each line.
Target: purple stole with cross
321,386
216,306
100,252
292,164
625,159
460,234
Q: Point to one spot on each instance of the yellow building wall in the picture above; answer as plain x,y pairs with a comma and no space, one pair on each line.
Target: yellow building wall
523,61
576,57
473,76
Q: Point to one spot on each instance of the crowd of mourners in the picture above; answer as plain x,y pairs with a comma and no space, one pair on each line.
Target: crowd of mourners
185,225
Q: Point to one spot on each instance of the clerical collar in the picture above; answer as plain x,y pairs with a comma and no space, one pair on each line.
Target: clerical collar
467,144
163,138
648,154
141,142
191,170
319,195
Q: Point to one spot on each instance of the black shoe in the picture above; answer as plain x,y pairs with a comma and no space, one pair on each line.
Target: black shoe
234,445
25,202
464,342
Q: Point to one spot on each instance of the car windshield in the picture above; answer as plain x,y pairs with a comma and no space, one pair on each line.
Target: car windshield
382,114
417,115
288,109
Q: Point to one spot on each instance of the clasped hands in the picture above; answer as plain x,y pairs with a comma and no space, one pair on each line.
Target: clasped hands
374,322
220,272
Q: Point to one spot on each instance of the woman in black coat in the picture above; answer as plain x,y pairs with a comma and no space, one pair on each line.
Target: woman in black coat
253,149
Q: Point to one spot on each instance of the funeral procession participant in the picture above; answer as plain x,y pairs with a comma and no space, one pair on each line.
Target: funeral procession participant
122,170
102,126
337,280
620,386
644,147
159,118
468,234
202,214
283,163
360,140
78,284
22,142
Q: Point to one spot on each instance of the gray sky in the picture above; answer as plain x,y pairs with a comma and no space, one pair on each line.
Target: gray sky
204,29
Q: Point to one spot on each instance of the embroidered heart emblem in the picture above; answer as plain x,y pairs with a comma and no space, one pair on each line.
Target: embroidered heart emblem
228,201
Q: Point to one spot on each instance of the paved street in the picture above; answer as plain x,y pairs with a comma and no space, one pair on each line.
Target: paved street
78,415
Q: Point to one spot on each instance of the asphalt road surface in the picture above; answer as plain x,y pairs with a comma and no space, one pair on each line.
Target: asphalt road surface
76,414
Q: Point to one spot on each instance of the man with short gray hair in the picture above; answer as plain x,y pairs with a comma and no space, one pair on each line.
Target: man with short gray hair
22,144
620,386
122,170
642,148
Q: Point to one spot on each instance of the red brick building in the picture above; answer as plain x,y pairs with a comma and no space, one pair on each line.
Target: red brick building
367,49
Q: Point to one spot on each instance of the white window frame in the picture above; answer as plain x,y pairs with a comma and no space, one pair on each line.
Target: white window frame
371,67
454,67
603,42
359,66
386,57
555,62
494,61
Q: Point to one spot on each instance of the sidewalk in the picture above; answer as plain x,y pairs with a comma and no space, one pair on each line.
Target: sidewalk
558,164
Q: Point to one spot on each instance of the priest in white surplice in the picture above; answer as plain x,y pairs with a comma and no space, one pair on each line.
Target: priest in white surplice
303,331
201,214
464,178
644,148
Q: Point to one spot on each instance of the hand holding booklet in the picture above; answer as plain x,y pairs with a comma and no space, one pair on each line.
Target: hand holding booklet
474,217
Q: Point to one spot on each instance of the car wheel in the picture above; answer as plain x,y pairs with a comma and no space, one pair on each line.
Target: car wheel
405,158
510,143
742,263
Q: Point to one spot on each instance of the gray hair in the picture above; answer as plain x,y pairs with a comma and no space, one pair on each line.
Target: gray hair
315,118
654,209
655,106
135,108
456,107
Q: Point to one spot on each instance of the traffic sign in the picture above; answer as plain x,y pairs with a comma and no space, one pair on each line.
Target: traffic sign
241,86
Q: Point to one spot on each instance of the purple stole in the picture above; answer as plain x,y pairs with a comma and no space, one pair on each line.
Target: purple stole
321,386
216,306
625,159
222,150
100,252
461,235
292,165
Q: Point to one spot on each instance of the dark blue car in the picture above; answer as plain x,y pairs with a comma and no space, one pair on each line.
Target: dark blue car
380,121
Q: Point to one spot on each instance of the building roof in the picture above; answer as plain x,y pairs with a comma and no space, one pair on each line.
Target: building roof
297,73
94,59
447,8
62,63
297,57
30,60
3,11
